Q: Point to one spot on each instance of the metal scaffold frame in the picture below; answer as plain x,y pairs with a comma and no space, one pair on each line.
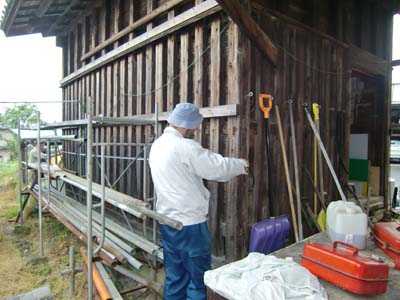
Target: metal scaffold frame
115,243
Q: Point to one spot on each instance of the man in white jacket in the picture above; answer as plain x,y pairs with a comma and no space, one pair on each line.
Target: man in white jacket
178,166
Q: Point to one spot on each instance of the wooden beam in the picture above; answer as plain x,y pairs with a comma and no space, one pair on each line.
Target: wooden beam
365,62
246,23
190,16
228,110
155,13
10,16
43,7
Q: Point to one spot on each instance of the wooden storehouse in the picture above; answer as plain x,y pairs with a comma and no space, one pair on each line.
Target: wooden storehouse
138,58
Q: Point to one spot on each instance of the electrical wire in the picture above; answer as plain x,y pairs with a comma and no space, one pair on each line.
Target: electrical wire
193,63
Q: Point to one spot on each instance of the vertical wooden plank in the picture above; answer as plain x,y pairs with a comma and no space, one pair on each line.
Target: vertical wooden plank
103,106
233,126
130,113
298,111
244,182
171,60
102,27
340,20
122,149
76,48
92,94
139,110
68,55
131,16
117,14
149,97
198,71
215,81
260,166
109,113
93,32
184,63
159,95
102,83
116,99
130,102
327,49
97,130
115,129
74,158
84,39
380,32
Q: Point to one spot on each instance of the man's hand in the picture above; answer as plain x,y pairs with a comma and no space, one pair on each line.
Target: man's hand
246,165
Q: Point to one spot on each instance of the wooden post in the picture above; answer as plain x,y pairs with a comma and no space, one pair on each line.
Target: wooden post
244,20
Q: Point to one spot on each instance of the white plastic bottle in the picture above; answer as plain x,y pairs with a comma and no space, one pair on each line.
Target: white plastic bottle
346,222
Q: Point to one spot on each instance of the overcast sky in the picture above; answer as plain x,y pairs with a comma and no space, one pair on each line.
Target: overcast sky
31,70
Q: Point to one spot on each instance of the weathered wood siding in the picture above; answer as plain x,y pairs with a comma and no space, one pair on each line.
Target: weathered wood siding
211,63
198,64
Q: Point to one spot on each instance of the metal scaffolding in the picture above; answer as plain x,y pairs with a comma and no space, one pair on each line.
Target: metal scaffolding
114,242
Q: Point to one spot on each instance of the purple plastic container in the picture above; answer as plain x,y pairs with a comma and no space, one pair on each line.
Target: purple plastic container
269,235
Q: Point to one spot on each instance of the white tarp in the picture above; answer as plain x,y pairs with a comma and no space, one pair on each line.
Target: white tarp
264,277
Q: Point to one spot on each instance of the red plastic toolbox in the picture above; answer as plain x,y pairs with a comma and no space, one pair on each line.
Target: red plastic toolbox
340,264
387,237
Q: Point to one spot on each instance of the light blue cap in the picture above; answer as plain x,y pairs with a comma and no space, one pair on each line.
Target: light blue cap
185,115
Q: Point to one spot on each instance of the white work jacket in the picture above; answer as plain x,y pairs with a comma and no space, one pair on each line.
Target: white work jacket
33,155
178,166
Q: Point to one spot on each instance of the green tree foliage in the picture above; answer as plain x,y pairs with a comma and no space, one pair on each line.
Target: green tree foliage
12,144
25,113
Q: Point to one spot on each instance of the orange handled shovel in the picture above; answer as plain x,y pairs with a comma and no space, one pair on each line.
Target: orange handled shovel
266,108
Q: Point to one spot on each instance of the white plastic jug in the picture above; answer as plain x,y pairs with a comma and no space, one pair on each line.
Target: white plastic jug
346,222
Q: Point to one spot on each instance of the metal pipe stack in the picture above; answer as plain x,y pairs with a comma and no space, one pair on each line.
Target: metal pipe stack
120,244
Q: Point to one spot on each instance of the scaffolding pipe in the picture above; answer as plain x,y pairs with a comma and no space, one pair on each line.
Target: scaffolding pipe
115,243
48,175
104,254
97,279
155,286
119,246
124,233
89,178
103,195
156,133
20,172
55,138
80,183
111,226
39,177
127,168
72,272
108,282
107,156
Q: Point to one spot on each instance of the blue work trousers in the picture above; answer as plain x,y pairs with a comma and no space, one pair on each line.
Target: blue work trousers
187,255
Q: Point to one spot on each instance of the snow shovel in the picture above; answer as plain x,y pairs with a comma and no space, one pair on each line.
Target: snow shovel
268,235
266,109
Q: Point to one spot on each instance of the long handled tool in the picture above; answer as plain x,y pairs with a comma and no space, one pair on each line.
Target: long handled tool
266,109
318,162
315,107
315,170
288,180
326,157
268,235
296,168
